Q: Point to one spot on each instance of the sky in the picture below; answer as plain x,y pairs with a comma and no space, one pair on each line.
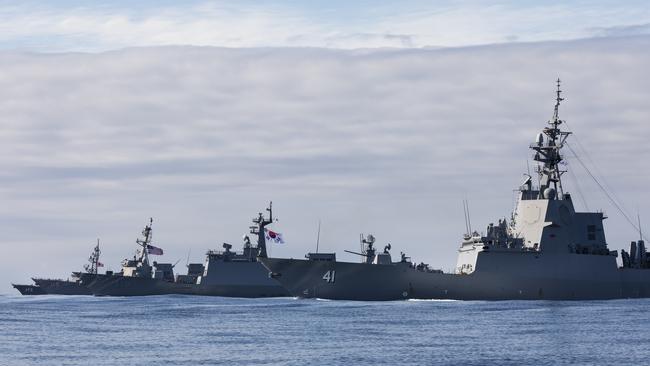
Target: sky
372,117
63,26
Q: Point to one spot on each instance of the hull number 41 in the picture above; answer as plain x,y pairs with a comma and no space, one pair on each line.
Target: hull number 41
329,276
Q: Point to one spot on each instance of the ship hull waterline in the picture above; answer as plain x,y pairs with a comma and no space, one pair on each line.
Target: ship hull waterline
29,290
116,285
502,276
61,287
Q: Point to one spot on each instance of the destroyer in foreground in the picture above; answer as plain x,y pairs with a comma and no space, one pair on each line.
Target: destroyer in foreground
225,273
546,251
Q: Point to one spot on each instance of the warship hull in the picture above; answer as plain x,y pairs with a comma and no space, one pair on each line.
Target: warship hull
29,290
228,279
499,276
61,287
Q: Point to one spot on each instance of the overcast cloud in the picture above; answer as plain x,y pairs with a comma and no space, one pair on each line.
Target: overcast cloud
77,26
381,141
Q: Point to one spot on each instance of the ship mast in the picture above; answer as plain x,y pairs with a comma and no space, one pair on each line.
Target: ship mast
93,260
146,232
547,152
258,229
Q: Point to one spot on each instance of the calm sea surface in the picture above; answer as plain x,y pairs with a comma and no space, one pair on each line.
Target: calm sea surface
188,330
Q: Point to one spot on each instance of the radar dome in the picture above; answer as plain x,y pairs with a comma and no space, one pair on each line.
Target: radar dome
549,193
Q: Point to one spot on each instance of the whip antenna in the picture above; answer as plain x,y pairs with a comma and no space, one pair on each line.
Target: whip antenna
318,236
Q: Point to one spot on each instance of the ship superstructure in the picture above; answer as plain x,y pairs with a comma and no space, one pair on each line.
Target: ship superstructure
224,273
544,220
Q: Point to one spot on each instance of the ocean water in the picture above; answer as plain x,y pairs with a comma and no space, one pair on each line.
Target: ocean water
189,330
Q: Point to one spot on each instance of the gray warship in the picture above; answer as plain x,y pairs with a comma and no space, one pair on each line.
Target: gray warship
224,273
72,286
546,250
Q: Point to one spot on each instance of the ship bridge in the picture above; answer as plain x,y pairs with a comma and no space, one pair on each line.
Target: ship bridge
545,219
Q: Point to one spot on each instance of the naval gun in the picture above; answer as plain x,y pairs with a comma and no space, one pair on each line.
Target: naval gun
370,253
367,248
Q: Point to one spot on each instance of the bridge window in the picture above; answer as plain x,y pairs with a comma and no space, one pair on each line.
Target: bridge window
591,232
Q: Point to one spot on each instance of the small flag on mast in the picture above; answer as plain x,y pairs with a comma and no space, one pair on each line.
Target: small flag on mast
154,250
100,264
273,236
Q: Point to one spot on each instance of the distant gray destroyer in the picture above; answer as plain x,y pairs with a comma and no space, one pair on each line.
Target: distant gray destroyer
546,250
225,273
73,286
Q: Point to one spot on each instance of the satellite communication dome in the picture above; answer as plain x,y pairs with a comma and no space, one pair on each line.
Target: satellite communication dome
549,193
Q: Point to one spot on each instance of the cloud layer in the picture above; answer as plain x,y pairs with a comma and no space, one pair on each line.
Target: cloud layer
381,141
74,26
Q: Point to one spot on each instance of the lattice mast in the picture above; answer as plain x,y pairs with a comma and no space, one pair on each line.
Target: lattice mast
147,234
547,153
93,260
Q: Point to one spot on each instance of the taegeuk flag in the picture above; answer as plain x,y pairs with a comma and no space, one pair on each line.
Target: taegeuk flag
273,236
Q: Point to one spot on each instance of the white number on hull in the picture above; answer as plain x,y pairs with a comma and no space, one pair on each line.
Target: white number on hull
329,276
